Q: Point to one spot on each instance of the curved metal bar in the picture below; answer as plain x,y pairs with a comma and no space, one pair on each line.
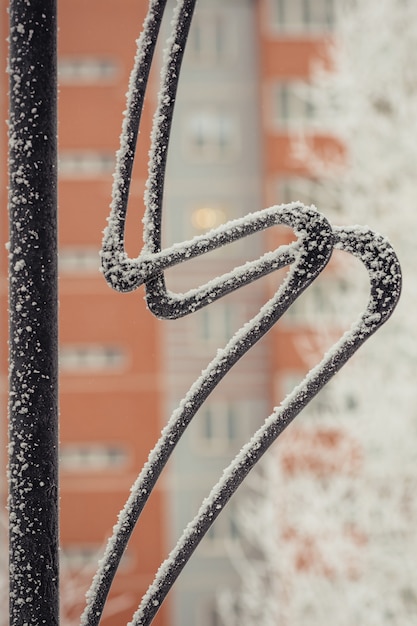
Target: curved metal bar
311,228
385,280
130,129
167,305
307,257
116,264
314,250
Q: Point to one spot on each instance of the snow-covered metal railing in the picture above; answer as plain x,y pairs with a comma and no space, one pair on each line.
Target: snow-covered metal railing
33,499
307,257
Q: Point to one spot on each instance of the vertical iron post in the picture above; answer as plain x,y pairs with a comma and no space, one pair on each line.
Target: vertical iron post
33,379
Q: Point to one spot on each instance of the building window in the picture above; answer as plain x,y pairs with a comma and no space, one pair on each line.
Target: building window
79,260
320,406
293,105
225,529
216,323
212,38
212,135
81,557
323,302
80,457
303,16
328,303
206,217
219,428
90,358
196,220
86,164
308,191
73,70
330,401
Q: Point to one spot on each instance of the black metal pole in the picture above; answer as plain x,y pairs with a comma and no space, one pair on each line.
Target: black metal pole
33,401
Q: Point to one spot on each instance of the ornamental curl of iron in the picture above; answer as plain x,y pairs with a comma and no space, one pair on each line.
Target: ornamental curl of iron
306,257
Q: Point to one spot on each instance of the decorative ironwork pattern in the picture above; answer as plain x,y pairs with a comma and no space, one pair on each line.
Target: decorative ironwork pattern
307,257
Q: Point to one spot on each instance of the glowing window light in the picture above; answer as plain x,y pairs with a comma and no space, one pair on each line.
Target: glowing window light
205,218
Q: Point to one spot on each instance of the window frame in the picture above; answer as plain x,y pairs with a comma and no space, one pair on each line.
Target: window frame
84,556
214,324
207,25
225,530
181,225
292,108
211,135
86,164
230,425
78,260
216,430
84,70
305,189
314,307
303,26
79,359
92,457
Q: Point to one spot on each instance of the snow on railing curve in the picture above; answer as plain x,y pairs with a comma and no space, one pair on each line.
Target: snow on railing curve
307,257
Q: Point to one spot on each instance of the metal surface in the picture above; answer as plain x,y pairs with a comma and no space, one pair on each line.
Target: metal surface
33,345
307,257
33,304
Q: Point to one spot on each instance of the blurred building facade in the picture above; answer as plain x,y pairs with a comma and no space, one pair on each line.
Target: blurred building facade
122,371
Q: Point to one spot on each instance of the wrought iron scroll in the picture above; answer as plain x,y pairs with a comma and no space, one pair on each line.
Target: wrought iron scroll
306,258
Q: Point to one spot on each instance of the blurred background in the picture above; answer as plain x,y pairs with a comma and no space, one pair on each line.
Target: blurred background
279,100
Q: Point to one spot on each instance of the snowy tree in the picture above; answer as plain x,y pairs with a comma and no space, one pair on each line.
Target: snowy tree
368,101
348,511
257,553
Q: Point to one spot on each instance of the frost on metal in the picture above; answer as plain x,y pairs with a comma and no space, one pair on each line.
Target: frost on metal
306,258
33,414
